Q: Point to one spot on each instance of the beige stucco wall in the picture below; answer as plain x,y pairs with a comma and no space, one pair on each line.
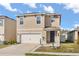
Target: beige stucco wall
10,29
44,37
48,23
57,39
56,23
48,36
30,22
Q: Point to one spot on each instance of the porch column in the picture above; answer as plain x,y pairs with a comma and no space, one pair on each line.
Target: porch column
75,37
57,39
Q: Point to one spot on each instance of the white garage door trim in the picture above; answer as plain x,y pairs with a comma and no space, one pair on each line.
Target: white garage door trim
1,39
18,39
31,38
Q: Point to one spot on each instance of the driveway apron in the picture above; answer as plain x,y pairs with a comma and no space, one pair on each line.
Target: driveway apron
17,50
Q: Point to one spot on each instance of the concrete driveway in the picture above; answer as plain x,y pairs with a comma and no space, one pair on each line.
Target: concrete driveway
17,50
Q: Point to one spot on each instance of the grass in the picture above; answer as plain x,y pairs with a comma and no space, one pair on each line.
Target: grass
3,46
32,54
65,47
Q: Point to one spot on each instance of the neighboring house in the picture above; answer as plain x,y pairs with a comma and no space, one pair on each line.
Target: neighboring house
73,36
63,35
7,29
39,28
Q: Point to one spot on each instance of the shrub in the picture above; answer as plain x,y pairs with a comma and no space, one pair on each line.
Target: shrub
5,42
68,41
10,42
77,41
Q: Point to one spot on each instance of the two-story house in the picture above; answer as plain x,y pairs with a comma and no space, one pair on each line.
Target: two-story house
7,29
39,28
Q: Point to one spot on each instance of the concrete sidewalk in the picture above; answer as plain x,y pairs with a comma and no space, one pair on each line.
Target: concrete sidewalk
57,53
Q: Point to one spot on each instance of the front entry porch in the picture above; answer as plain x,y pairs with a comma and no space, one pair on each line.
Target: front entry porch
50,36
53,36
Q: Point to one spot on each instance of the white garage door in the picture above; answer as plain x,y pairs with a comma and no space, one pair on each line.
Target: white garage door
31,38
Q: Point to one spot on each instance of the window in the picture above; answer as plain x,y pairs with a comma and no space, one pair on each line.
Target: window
38,19
52,18
21,20
1,22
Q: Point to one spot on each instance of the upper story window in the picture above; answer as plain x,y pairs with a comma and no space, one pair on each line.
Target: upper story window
52,18
38,19
1,22
21,20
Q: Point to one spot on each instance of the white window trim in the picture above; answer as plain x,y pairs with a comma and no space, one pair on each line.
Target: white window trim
40,20
52,19
22,20
2,22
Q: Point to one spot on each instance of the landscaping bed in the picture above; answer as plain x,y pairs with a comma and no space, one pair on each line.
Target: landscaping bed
65,47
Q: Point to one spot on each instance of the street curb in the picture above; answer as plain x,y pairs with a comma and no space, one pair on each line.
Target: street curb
56,53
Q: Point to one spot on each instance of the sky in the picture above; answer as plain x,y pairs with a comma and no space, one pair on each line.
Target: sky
69,11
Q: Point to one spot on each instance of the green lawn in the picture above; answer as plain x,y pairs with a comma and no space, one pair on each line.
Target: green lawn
65,47
32,54
3,46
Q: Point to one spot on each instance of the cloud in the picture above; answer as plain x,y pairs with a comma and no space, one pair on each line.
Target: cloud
76,25
33,5
72,6
70,29
8,6
28,11
48,9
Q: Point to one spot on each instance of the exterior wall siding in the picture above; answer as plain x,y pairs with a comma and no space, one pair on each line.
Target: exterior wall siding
48,23
56,23
30,22
73,36
10,30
